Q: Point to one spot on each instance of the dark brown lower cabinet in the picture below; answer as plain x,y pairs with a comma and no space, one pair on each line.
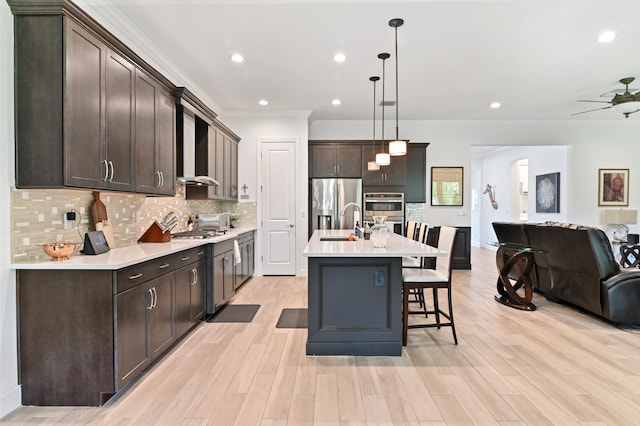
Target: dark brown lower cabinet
189,297
462,251
86,334
223,272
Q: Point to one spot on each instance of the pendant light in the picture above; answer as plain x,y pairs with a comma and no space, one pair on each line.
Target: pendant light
383,158
397,146
372,165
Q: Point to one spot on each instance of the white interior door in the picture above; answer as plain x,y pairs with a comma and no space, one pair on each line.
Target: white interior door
278,208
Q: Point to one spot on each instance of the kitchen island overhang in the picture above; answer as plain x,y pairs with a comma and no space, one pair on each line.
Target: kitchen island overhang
355,294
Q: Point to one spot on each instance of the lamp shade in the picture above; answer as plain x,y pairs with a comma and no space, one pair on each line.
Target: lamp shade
383,159
620,217
397,147
627,107
372,166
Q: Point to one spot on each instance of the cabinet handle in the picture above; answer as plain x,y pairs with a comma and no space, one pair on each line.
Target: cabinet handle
338,168
150,307
157,185
161,179
106,170
155,297
136,276
112,171
164,265
335,169
185,258
200,253
194,275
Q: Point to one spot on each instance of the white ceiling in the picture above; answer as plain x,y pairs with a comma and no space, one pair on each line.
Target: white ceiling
536,58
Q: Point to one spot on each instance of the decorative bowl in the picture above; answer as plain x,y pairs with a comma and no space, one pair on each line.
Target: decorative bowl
59,251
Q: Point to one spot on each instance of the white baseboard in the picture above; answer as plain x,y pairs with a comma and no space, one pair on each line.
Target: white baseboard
10,400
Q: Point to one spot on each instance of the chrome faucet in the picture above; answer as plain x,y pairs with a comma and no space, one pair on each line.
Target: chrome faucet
351,204
357,228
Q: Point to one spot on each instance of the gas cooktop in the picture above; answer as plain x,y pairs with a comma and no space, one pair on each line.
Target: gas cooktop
199,234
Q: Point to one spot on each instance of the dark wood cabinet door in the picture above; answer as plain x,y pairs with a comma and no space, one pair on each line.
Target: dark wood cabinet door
84,108
230,179
218,279
147,179
160,325
229,275
233,165
131,333
119,148
182,302
395,173
220,164
323,163
197,291
416,185
392,175
165,142
349,161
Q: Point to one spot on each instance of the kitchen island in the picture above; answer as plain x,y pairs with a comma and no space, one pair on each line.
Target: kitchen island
355,293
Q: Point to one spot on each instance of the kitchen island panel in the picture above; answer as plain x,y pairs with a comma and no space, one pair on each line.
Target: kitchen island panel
355,306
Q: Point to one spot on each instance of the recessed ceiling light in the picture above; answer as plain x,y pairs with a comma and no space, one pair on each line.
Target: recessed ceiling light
336,102
495,105
339,57
263,102
606,36
236,57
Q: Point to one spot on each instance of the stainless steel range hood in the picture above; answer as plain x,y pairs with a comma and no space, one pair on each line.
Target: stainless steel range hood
187,137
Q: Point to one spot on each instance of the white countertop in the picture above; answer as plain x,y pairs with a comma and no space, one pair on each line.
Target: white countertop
121,257
397,246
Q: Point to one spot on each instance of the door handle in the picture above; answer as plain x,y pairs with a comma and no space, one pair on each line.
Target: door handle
291,225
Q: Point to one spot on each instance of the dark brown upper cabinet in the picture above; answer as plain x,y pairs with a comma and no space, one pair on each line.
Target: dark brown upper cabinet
77,110
333,159
405,174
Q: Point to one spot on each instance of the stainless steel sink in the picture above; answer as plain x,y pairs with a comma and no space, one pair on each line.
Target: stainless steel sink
335,239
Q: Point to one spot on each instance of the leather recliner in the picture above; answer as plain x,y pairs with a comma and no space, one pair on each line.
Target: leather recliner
578,267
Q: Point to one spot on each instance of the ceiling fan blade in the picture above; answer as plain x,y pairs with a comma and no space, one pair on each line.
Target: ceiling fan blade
591,110
600,102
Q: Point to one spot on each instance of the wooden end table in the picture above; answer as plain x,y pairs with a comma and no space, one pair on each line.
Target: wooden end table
517,258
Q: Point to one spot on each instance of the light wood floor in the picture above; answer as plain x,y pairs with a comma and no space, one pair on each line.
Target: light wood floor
552,366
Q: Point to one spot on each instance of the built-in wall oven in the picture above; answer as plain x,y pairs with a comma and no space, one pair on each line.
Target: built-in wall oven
389,204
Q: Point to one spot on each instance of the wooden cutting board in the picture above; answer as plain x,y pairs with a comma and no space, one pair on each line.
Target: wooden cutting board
98,209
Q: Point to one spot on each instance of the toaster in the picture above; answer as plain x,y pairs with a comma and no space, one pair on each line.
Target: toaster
213,221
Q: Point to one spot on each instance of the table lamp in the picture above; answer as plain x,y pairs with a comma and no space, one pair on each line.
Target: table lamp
620,219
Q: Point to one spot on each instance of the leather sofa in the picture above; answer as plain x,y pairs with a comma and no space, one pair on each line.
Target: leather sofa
578,267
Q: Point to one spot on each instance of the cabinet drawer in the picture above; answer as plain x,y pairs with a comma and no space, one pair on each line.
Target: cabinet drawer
134,275
189,256
222,247
244,237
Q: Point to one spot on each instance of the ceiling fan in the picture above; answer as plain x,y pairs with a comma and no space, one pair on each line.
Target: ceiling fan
626,103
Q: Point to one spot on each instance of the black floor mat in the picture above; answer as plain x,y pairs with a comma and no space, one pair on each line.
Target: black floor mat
293,318
235,313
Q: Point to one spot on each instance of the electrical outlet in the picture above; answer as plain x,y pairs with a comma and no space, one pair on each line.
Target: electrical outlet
68,218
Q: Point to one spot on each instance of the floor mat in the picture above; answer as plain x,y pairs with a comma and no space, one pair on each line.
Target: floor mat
293,318
235,313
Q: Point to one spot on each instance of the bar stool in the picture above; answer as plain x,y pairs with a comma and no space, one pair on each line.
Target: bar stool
435,279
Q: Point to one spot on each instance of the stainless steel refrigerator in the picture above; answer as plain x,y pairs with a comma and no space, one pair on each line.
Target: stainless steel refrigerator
327,198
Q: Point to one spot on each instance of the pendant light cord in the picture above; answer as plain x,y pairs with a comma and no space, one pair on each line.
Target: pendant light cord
397,103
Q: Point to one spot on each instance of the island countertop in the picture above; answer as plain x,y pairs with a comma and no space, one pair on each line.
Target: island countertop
397,246
121,257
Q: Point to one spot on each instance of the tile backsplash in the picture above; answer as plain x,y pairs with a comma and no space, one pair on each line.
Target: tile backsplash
37,216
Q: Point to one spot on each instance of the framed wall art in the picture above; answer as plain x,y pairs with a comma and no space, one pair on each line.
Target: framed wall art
446,186
613,187
548,193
